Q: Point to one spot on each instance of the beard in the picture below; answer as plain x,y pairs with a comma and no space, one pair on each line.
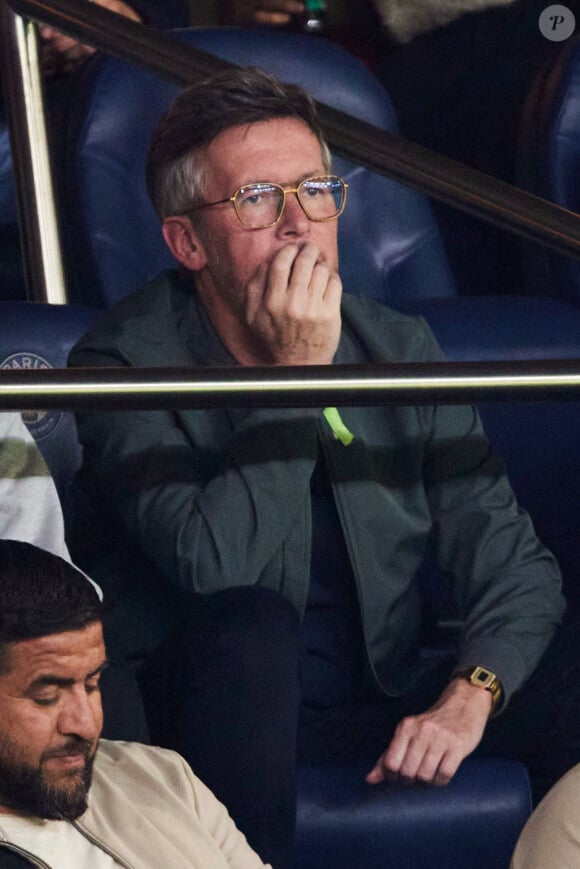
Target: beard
25,788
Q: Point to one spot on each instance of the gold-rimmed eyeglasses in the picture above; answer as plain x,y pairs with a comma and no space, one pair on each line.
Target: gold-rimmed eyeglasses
262,203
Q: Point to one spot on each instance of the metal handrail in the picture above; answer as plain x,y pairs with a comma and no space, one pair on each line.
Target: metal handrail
439,177
289,386
37,211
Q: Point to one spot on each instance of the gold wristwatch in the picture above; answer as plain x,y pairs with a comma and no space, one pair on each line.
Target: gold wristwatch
483,678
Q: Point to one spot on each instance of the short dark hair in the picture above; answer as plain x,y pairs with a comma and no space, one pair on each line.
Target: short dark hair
41,594
200,113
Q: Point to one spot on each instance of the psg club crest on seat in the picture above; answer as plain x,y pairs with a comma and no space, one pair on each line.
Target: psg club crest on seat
40,423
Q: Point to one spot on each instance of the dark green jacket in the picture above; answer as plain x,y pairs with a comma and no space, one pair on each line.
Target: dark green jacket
220,497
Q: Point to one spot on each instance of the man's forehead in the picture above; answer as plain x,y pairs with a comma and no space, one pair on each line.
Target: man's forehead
71,654
264,146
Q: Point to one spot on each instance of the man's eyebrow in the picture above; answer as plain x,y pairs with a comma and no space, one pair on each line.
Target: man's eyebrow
313,174
60,681
99,669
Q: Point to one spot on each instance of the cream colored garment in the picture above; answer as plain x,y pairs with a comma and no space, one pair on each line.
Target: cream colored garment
551,838
149,811
405,19
29,505
57,843
169,818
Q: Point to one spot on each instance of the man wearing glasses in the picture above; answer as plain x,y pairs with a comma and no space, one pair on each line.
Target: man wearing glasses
293,537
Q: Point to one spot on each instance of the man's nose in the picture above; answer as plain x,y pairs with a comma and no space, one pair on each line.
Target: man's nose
81,715
293,221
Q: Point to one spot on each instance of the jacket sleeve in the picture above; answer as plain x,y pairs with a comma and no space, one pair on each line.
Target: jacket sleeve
210,515
506,583
215,818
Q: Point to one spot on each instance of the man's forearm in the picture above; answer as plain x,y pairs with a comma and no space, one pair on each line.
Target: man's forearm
209,516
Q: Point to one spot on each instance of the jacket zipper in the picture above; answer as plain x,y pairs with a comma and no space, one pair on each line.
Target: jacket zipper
100,844
36,861
336,494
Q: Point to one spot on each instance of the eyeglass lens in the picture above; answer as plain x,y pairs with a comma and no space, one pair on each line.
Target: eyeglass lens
261,204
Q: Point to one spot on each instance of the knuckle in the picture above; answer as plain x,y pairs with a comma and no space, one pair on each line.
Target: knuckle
294,310
269,305
428,729
390,764
407,725
406,770
390,761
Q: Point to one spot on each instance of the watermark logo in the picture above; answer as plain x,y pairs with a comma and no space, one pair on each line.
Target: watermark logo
557,23
40,423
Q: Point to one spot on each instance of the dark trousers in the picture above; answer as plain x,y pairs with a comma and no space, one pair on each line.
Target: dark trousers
225,693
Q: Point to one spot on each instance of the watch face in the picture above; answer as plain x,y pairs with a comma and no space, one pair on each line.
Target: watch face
482,678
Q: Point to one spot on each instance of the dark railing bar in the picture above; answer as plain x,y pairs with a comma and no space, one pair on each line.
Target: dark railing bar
433,174
302,386
460,186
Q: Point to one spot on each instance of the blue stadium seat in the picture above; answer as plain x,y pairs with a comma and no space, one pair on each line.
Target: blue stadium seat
548,164
8,213
116,108
390,246
342,822
37,336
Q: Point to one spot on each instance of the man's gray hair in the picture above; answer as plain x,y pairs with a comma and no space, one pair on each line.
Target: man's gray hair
175,166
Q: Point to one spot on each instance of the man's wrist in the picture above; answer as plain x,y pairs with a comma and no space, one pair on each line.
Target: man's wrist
483,679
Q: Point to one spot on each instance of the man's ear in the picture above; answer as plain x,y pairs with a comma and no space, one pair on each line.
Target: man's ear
184,243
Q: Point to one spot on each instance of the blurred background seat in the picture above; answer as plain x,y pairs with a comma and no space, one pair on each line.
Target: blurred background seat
36,336
548,164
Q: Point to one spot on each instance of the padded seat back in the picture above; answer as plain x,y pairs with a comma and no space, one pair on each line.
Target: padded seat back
36,336
390,246
548,164
8,213
343,822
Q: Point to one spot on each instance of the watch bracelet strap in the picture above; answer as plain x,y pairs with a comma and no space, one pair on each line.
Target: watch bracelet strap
494,688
